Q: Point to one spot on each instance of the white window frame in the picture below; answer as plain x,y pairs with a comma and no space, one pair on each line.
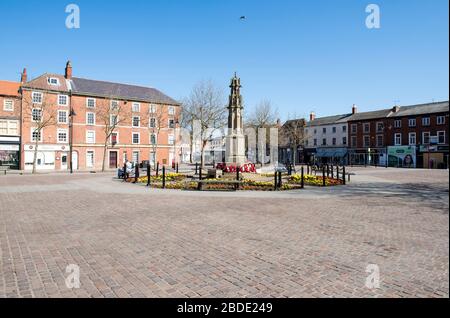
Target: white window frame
353,141
412,122
87,136
440,120
398,123
171,110
67,100
426,121
365,145
32,115
49,81
423,137
171,139
40,98
344,141
9,108
87,118
382,141
174,124
156,139
443,133
117,138
66,131
93,158
399,135
139,122
132,138
114,107
364,128
354,129
138,105
382,127
33,129
111,122
410,135
88,99
67,116
150,122
153,108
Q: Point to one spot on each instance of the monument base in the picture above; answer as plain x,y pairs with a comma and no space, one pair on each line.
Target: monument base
235,150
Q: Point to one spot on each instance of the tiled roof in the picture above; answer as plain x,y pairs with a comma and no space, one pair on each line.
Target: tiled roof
41,82
328,120
431,108
9,88
122,91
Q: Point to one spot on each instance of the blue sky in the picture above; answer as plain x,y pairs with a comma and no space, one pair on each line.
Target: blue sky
302,55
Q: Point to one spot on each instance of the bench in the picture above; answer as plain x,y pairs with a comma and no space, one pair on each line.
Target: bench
234,183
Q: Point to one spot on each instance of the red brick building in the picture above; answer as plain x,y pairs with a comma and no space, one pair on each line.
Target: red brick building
10,113
134,123
419,129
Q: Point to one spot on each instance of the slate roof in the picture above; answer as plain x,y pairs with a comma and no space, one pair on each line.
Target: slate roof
431,108
93,88
370,115
328,120
122,91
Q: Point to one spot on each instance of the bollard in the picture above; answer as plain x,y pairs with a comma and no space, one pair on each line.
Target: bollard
337,172
200,184
303,179
328,170
124,175
275,181
177,168
164,177
157,169
307,168
196,168
136,173
332,172
238,170
148,174
343,175
323,176
280,181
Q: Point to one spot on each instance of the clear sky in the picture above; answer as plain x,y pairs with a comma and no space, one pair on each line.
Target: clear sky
302,55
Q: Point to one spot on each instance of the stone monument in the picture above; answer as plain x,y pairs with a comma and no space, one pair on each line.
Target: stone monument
235,139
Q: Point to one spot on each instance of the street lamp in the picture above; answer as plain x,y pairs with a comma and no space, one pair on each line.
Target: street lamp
71,116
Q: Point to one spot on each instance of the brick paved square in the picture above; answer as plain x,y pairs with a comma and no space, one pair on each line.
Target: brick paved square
129,241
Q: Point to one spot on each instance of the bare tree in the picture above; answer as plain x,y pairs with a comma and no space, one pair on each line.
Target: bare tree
263,116
205,106
42,113
187,122
293,134
157,121
110,114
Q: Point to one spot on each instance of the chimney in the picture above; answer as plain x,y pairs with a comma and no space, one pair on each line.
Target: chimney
24,77
312,116
395,109
68,74
354,109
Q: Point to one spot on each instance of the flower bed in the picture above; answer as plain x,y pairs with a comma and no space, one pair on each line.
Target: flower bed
248,168
314,180
169,177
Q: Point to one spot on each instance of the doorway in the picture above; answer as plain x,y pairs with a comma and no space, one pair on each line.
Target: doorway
113,159
64,161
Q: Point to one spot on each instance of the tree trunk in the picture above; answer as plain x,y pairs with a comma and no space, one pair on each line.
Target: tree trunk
35,156
191,148
105,147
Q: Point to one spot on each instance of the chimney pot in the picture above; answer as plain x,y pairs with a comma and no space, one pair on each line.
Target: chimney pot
354,109
312,116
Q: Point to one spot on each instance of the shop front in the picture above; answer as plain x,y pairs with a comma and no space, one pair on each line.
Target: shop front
402,156
10,152
328,155
433,157
48,157
367,156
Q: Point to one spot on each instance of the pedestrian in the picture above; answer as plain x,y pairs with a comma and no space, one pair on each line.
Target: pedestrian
129,169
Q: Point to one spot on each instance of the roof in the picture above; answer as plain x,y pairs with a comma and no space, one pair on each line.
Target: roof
328,120
370,115
41,82
89,87
431,108
9,88
123,91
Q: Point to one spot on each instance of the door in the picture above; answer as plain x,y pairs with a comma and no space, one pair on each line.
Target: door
113,159
64,161
75,160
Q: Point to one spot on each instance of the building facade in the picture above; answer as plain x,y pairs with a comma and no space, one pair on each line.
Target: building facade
92,124
403,136
10,114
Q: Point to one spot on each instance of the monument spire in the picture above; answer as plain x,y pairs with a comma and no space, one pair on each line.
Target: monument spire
235,140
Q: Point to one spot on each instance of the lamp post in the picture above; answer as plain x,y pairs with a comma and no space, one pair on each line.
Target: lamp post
71,116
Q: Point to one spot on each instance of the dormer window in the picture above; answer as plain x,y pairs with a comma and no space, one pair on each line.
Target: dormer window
53,81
